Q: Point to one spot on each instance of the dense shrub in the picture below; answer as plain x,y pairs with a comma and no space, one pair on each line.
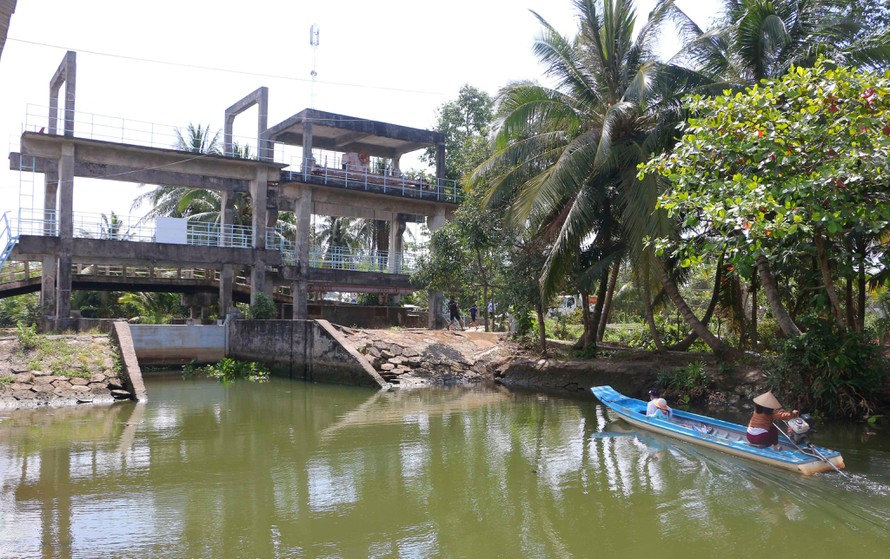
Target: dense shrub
263,308
690,382
829,370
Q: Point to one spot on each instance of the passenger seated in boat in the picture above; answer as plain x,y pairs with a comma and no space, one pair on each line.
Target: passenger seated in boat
762,430
662,411
650,407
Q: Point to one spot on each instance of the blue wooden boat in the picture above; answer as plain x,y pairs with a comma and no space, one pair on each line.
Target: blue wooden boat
721,435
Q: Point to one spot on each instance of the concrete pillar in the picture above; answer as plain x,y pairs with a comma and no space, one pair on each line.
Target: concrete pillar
258,192
304,227
66,231
258,189
226,282
49,271
50,202
226,214
308,160
435,320
396,230
65,74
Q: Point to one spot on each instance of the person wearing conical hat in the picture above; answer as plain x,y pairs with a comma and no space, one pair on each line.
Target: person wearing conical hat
762,430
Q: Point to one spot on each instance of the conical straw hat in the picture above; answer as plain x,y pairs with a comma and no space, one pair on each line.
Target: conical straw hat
767,400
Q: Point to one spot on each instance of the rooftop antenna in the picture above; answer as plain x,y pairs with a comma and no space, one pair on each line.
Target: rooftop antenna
313,42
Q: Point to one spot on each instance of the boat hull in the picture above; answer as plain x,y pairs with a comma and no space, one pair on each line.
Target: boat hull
718,435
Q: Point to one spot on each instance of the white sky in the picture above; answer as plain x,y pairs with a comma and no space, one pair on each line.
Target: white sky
389,60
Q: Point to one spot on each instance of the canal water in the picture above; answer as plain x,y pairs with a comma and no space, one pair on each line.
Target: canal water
288,469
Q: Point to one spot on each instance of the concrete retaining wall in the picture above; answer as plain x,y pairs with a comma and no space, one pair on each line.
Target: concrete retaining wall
178,344
360,316
311,350
120,332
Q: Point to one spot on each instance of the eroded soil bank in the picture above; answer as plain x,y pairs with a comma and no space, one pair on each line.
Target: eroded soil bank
413,358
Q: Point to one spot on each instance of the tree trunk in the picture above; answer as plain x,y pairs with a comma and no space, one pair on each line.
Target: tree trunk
484,277
788,327
607,306
650,314
585,321
598,310
542,329
686,343
716,345
863,254
753,329
827,281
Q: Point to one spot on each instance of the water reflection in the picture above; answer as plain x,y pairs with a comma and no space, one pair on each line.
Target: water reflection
297,470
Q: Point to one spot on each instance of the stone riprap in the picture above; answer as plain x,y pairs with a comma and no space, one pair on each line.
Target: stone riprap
419,357
25,384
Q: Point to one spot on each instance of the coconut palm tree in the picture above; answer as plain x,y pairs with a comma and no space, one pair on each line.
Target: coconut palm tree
566,155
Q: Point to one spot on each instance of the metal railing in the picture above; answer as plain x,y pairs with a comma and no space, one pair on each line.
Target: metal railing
107,128
125,228
328,169
357,177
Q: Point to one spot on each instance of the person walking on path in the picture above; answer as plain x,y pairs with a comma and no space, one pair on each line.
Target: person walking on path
454,314
473,312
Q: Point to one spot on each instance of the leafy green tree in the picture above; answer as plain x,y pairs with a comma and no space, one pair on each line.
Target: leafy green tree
464,122
783,170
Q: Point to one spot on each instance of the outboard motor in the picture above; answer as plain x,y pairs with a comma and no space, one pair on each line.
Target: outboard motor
799,427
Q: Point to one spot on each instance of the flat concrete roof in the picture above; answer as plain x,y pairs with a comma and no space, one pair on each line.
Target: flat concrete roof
343,133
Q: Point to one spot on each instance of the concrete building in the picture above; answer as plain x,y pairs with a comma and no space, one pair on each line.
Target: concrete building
347,167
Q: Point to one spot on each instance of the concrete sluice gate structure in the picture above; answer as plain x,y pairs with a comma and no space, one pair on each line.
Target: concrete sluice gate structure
345,167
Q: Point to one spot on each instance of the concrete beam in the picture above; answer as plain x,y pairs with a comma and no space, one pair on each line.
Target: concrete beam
358,203
128,174
101,251
131,156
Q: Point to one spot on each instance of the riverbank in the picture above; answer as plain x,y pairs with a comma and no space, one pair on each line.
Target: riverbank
410,358
53,371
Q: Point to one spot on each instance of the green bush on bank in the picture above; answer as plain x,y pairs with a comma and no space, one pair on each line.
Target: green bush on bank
690,382
826,369
263,308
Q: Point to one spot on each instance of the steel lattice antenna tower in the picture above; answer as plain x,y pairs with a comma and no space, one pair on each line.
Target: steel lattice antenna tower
313,42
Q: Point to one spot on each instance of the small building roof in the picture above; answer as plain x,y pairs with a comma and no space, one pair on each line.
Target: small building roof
343,133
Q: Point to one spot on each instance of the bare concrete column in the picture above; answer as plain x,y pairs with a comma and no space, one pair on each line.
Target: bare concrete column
436,298
66,231
396,230
226,281
49,270
308,160
226,215
50,201
258,188
258,192
304,227
65,74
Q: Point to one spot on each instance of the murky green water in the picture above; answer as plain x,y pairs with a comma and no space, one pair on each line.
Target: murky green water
287,469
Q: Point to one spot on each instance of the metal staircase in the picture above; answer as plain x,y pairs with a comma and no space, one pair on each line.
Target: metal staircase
8,239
